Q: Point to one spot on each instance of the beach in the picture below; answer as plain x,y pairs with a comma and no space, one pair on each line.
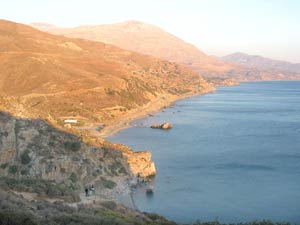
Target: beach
160,103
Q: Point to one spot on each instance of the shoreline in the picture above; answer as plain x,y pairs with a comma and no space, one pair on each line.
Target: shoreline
155,106
152,107
126,198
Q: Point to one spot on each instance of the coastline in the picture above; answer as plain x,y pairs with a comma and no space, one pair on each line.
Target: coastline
151,107
140,198
126,197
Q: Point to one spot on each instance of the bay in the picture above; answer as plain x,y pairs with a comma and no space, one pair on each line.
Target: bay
232,155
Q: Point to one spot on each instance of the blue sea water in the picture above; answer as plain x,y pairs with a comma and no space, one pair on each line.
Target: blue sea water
233,155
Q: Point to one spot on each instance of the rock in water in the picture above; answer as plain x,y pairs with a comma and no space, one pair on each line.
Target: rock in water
164,126
156,126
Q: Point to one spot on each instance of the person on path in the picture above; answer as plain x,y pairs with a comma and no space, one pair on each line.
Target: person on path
93,189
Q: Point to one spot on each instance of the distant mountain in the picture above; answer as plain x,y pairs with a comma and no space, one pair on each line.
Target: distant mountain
54,77
262,63
146,39
151,40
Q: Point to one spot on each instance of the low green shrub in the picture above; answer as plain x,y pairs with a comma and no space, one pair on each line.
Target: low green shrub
73,146
17,217
109,205
13,169
25,158
73,177
4,165
41,187
108,183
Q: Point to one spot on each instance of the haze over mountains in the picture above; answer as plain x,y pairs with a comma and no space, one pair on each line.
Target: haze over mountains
259,62
145,39
151,40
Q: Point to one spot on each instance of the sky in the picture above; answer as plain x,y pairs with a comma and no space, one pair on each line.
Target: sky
270,28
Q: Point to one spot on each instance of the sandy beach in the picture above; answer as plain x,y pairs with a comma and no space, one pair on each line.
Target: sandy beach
154,106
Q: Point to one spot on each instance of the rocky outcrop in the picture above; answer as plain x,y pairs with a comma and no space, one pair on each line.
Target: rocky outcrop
163,126
140,164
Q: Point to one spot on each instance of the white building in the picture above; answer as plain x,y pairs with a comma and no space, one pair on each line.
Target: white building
70,121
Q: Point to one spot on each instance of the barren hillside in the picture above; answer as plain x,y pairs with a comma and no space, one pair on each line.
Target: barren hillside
146,39
54,77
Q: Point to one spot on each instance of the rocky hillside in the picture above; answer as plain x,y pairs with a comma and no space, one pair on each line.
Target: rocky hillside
146,39
58,78
20,209
33,149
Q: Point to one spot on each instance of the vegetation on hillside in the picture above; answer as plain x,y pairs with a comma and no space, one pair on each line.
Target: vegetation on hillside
15,210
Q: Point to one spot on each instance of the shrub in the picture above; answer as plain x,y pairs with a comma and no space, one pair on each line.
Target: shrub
123,170
73,177
109,205
73,146
17,217
154,216
4,165
24,172
25,158
108,183
41,187
13,169
109,91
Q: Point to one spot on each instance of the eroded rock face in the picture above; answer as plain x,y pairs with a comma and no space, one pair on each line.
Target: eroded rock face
140,164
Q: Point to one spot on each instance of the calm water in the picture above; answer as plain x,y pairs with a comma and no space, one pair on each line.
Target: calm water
232,155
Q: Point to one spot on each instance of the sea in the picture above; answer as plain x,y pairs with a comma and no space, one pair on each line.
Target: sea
232,155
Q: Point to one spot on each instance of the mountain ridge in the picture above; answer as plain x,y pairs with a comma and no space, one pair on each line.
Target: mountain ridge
263,63
146,39
65,77
152,40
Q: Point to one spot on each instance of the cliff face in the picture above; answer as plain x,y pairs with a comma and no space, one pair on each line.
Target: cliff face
33,148
140,164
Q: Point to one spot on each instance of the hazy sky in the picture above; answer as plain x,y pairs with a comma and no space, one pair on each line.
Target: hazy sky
266,27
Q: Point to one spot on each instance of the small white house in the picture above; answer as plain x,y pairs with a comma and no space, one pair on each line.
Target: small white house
70,121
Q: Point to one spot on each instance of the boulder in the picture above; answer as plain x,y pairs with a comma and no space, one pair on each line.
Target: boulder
156,126
166,126
163,126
